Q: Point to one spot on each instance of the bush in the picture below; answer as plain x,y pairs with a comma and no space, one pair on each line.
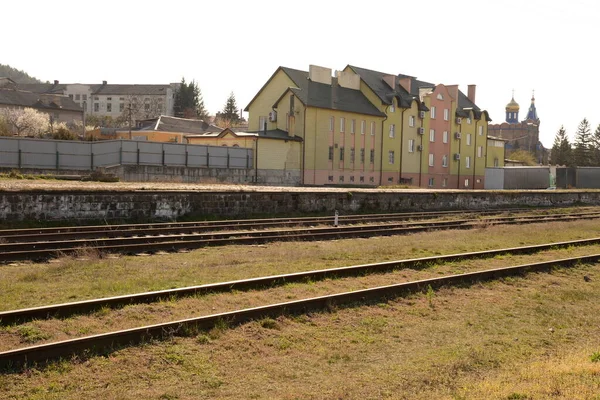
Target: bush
63,133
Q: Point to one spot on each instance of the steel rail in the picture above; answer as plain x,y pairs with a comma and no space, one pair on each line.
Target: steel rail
106,342
113,231
72,308
44,250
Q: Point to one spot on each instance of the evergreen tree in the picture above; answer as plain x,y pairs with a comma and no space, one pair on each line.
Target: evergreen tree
230,111
582,154
596,147
189,102
561,148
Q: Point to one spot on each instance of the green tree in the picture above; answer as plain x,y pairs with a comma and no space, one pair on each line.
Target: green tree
561,149
189,102
596,147
230,110
524,156
17,75
582,153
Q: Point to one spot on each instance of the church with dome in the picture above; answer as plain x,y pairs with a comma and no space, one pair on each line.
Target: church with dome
520,134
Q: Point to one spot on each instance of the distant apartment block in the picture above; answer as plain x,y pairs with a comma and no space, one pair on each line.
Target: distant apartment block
114,100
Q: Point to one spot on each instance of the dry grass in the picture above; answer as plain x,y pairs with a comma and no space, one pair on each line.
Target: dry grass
518,338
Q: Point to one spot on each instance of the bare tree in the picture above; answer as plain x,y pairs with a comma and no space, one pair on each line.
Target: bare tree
27,121
140,107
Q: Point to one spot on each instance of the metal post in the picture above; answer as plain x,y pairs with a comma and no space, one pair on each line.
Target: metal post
57,159
336,219
138,156
227,158
186,158
121,153
207,159
163,157
19,158
92,161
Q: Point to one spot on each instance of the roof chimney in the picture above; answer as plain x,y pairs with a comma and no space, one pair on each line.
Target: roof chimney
104,82
453,90
56,82
406,83
390,80
471,93
319,74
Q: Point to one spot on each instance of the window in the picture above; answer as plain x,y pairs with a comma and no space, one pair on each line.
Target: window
363,127
362,156
430,160
430,183
392,107
84,97
147,107
121,107
362,179
469,121
108,107
330,178
444,160
391,156
440,96
262,123
480,130
341,178
372,156
159,108
109,99
352,126
96,107
467,182
352,179
342,124
444,182
432,112
432,135
479,151
71,96
390,180
331,124
411,121
77,97
468,139
96,98
330,156
445,137
446,114
392,130
352,154
411,145
372,128
372,179
341,154
121,98
467,162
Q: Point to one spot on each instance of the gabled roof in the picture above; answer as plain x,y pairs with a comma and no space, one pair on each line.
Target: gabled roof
297,76
99,89
335,97
166,123
271,134
35,100
46,88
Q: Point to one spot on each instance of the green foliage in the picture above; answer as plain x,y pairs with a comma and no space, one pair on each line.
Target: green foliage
523,156
561,149
189,102
64,133
430,294
517,396
582,153
595,357
230,110
31,334
17,75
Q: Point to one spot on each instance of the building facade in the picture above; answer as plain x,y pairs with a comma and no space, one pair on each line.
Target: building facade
521,135
112,100
364,127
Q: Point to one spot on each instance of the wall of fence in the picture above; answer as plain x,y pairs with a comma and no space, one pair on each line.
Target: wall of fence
73,155
579,177
517,178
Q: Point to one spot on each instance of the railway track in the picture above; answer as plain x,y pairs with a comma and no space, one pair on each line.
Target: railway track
86,306
37,249
109,341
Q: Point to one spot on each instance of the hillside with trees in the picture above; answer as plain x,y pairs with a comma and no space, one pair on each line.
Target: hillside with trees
6,71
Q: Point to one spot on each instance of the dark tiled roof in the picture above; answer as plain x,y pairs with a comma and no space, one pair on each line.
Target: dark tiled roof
335,97
35,100
277,134
297,76
179,125
130,89
98,89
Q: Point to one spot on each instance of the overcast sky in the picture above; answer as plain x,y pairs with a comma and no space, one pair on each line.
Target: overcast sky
525,45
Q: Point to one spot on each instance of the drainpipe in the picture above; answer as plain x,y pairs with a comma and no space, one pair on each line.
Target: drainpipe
400,156
475,153
459,152
256,159
421,154
381,152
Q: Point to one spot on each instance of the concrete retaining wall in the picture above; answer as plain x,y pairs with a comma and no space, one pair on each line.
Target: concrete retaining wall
170,205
